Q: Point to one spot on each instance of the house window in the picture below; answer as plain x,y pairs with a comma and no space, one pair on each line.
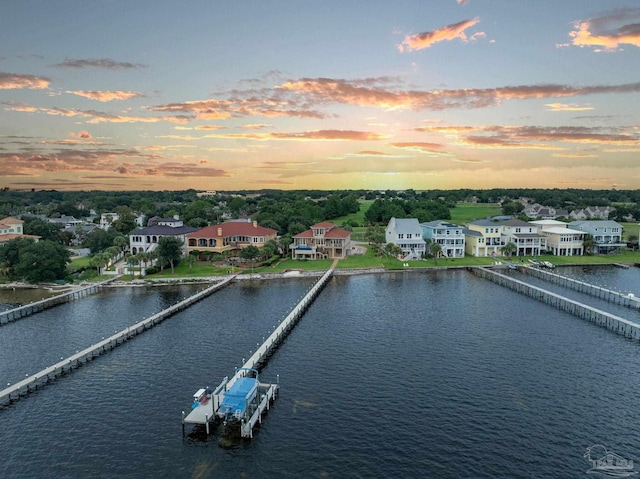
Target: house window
408,235
400,236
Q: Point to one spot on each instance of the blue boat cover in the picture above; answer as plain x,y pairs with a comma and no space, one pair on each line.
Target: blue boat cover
237,397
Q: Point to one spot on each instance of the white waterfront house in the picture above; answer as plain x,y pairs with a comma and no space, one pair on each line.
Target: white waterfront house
146,239
406,233
450,237
525,236
607,234
561,240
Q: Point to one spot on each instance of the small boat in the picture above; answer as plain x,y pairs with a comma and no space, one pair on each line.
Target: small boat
549,265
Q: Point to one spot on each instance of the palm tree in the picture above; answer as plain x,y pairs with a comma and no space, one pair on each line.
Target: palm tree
99,260
435,249
509,249
190,259
588,242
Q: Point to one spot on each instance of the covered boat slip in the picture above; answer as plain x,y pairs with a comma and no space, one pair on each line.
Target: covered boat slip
237,399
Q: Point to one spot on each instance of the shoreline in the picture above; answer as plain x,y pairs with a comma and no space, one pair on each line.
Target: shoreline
64,288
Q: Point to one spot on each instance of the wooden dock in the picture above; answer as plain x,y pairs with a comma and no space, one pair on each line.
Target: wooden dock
14,391
625,299
206,413
37,306
612,322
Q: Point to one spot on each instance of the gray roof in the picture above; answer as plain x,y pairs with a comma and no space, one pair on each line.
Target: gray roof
485,222
407,225
469,232
439,224
164,230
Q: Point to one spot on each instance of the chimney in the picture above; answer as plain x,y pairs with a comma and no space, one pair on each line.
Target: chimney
255,224
219,231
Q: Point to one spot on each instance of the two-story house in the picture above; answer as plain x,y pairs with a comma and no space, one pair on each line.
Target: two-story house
607,234
406,233
231,236
322,240
11,228
450,237
146,239
107,218
484,238
561,240
525,236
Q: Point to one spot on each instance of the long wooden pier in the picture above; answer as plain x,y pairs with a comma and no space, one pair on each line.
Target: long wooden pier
625,299
37,306
206,413
612,322
14,391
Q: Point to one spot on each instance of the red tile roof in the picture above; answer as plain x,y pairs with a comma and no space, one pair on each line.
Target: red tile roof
11,236
232,228
337,233
323,224
11,219
334,232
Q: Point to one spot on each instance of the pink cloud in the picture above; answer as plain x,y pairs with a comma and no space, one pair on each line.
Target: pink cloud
14,81
423,40
105,96
608,31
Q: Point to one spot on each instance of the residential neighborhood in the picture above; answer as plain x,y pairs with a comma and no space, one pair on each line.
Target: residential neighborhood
217,228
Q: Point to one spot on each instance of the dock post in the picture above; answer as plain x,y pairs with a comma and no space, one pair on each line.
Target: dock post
182,423
206,423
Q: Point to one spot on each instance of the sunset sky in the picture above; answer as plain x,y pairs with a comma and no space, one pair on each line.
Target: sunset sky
319,94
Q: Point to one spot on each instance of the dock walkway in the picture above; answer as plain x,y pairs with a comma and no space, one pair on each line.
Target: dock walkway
206,412
612,322
625,299
37,306
30,383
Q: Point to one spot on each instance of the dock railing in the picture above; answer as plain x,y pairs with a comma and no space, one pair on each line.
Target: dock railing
625,299
14,391
37,306
612,322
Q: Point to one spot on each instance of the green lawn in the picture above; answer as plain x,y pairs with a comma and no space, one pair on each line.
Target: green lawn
357,217
464,213
630,229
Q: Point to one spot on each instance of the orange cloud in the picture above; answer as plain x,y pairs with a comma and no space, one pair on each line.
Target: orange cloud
97,116
423,40
366,95
608,31
566,107
124,162
539,137
14,81
318,135
105,96
85,135
422,147
270,107
209,127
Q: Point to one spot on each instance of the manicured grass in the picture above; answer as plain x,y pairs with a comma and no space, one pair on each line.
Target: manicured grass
81,262
630,229
464,213
357,217
198,270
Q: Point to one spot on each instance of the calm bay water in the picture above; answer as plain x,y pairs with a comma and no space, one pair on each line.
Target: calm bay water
396,375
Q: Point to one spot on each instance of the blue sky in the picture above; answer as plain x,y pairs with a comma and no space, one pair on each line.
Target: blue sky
372,94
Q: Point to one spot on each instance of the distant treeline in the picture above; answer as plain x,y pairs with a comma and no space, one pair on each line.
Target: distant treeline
289,211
